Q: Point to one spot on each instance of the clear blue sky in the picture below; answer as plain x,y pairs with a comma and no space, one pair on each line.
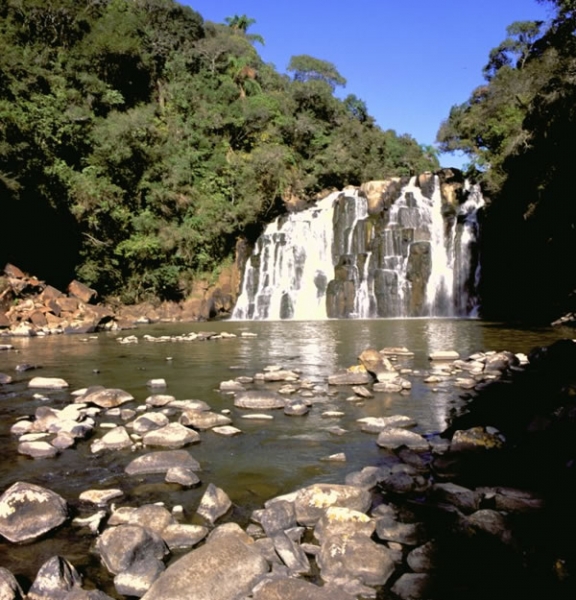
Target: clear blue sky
409,60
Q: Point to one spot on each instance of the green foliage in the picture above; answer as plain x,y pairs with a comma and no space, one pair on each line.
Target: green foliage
308,68
149,140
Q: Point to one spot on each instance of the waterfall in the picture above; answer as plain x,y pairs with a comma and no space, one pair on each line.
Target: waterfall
416,256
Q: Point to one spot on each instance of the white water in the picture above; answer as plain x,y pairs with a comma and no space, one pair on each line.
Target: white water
296,258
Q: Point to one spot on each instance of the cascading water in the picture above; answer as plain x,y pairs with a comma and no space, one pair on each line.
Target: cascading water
416,256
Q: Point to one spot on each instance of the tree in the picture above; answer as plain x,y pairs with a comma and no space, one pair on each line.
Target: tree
241,24
308,68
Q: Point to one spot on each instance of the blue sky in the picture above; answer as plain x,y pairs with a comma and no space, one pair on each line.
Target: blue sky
409,60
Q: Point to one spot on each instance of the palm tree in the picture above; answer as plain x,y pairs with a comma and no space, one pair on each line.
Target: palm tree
241,24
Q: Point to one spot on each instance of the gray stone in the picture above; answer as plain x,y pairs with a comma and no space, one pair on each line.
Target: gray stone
311,502
123,546
224,568
355,557
183,476
462,498
27,511
344,522
47,383
149,422
9,588
173,435
116,439
278,516
161,462
424,558
296,589
394,437
178,536
350,378
388,529
137,579
54,580
214,503
39,449
106,397
259,400
291,554
153,517
203,419
100,497
378,424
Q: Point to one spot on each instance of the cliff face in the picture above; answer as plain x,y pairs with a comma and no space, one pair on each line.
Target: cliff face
393,248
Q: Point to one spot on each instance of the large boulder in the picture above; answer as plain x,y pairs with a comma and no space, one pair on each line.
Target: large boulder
225,568
311,502
27,511
259,400
162,462
55,579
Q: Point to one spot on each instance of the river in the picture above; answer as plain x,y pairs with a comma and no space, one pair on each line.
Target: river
270,457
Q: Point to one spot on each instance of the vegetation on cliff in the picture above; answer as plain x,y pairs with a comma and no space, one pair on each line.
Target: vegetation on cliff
137,141
519,130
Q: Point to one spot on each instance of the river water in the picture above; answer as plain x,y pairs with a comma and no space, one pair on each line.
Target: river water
270,457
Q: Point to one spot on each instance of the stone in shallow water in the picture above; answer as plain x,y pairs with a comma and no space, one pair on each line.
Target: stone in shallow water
100,497
183,476
394,437
55,579
47,383
259,400
173,435
311,502
27,511
227,430
203,419
106,397
9,587
161,462
214,503
39,449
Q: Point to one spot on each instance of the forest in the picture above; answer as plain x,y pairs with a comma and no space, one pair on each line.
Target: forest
139,142
519,131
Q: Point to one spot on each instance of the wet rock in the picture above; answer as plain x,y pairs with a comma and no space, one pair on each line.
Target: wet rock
296,409
203,420
225,567
123,546
5,379
100,497
214,504
311,502
161,462
27,511
47,383
38,449
116,439
151,516
394,437
9,588
378,424
377,364
444,355
259,400
54,580
362,391
183,476
231,386
149,422
359,377
106,397
173,435
227,430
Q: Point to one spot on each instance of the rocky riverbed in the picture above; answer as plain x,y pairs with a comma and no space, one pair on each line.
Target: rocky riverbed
483,510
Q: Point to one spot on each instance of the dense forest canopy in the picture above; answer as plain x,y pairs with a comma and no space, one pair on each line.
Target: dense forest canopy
519,129
137,141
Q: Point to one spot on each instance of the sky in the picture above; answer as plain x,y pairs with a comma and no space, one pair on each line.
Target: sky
409,60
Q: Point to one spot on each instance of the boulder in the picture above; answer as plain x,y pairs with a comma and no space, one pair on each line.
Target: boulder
162,462
9,588
225,567
173,435
137,579
47,383
27,511
259,400
395,437
123,546
106,397
297,589
116,439
203,419
214,504
54,580
81,291
311,502
377,364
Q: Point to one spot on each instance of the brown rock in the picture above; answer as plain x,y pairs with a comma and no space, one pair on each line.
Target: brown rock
67,304
81,291
13,271
50,293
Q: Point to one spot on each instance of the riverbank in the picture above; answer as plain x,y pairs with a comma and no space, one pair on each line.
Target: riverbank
430,520
30,307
